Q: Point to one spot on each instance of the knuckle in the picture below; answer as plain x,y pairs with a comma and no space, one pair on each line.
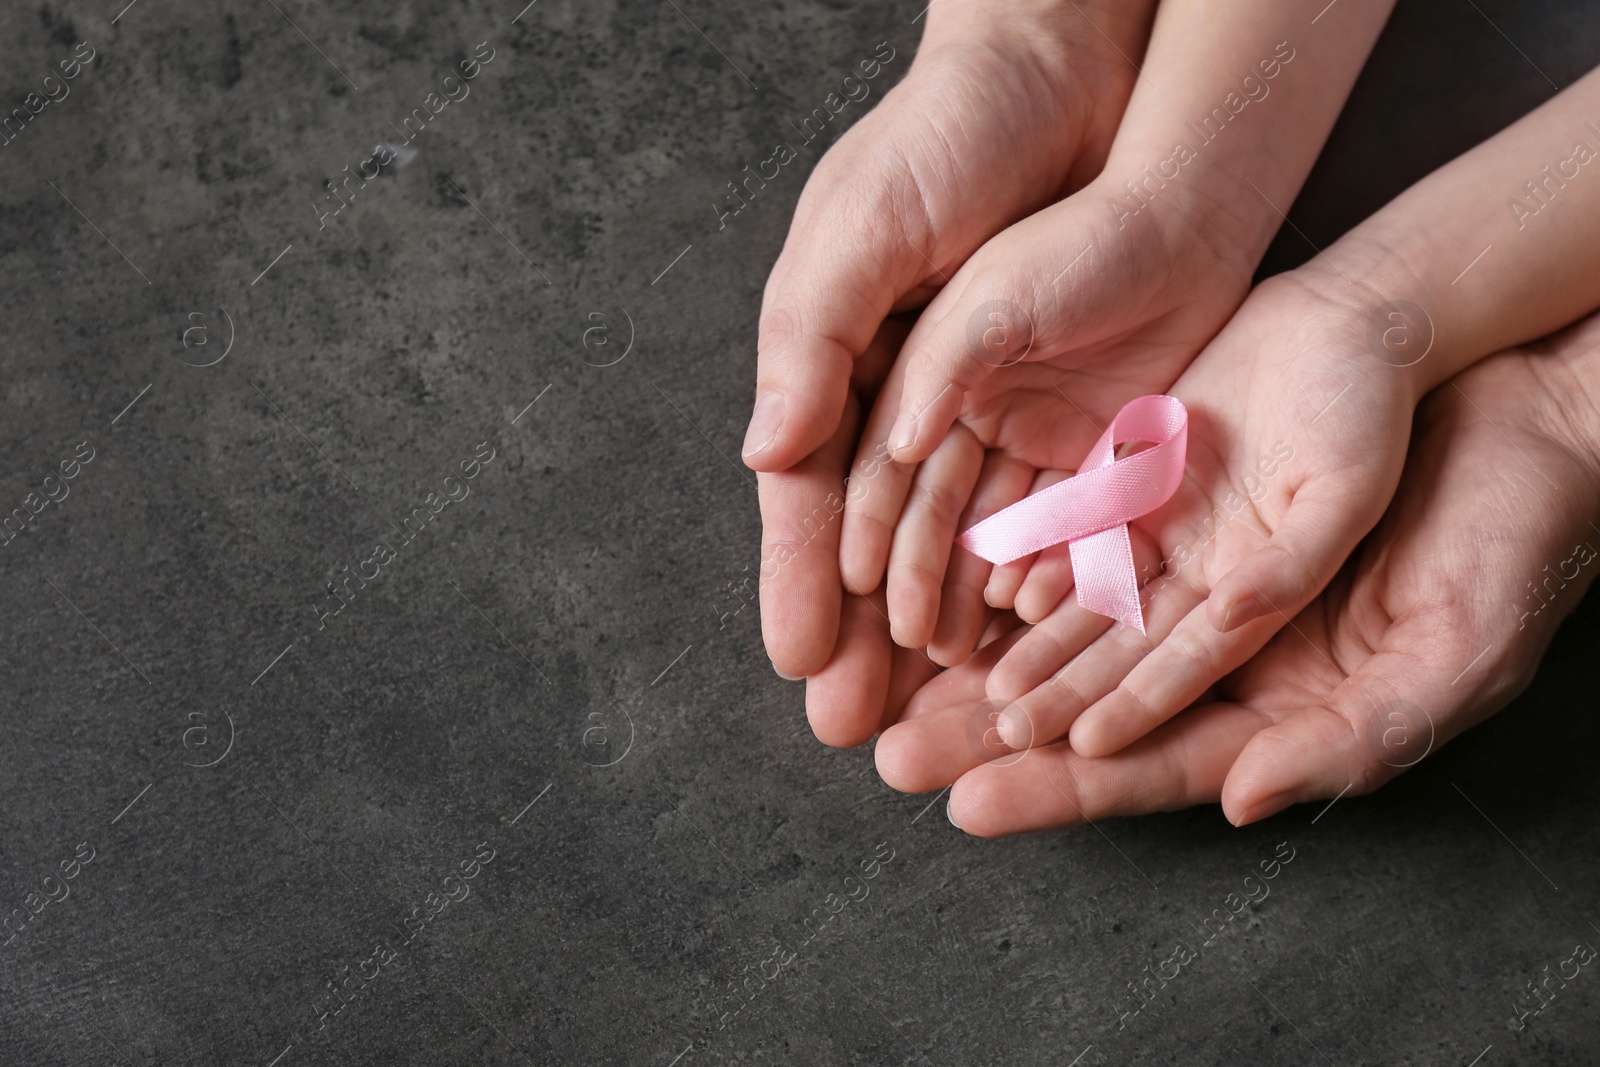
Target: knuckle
909,572
1082,802
1140,710
778,326
1368,773
938,501
1064,697
1190,655
1294,578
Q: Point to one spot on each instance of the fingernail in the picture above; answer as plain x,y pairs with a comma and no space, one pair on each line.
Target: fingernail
1266,806
951,816
764,423
785,677
1244,610
904,434
1014,726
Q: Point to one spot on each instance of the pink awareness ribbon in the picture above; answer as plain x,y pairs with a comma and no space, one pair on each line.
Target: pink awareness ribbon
1091,510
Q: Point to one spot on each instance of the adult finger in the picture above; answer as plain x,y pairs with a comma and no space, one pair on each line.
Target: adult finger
800,590
1398,707
852,251
947,729
1182,764
845,699
800,514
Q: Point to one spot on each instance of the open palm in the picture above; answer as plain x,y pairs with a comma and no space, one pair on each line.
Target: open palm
1431,628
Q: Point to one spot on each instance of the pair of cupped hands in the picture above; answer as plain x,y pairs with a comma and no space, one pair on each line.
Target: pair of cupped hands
957,315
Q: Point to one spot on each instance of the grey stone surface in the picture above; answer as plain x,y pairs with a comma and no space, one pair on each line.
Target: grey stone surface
269,800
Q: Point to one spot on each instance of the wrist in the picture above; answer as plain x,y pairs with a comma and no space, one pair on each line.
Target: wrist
1404,327
1568,372
1080,53
1224,193
1205,242
1062,27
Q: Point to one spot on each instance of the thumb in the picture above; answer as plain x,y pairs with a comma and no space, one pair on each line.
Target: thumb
1324,522
979,324
1396,709
846,262
1006,305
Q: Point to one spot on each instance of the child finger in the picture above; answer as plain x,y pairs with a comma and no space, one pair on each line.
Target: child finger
1187,662
962,611
1182,764
1053,708
926,533
1325,521
874,495
1067,630
1007,578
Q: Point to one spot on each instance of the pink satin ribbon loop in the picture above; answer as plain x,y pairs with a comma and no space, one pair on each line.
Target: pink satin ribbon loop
1091,510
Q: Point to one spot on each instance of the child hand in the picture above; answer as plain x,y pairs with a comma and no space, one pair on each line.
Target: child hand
998,116
1297,436
1438,622
1007,379
1098,298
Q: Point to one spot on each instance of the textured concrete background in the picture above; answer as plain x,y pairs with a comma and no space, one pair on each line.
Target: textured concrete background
254,808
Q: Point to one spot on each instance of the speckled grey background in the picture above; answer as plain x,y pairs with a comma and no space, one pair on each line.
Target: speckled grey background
274,805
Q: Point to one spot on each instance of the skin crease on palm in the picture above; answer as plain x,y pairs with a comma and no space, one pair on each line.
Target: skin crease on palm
1432,614
996,118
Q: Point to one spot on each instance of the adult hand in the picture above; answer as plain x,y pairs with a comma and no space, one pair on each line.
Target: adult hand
998,116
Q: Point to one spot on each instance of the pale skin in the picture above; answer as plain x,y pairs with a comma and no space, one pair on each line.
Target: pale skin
996,118
1435,616
918,201
1296,369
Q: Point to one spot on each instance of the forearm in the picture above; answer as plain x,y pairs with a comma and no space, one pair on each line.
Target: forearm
1497,247
1566,369
1232,107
